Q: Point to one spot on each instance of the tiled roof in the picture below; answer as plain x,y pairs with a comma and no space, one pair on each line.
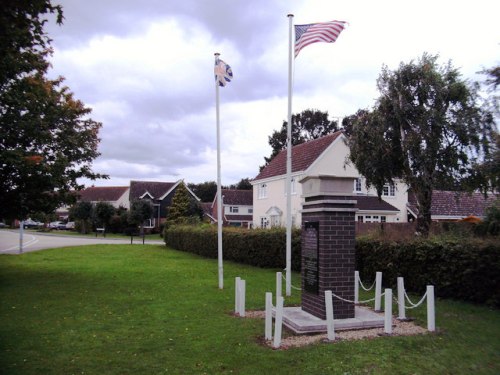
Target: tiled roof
156,189
102,193
303,156
452,203
237,197
369,203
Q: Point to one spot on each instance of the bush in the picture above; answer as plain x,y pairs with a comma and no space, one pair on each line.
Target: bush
466,269
463,269
257,247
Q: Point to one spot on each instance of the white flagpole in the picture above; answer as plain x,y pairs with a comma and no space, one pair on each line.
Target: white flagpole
219,191
289,166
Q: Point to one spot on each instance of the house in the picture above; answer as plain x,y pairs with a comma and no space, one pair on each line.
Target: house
327,155
453,205
160,194
237,208
117,196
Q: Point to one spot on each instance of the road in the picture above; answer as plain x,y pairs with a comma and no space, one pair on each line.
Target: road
34,241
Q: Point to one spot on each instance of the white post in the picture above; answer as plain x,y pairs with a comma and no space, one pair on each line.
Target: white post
278,323
330,329
378,291
401,299
236,294
219,194
289,165
21,233
431,312
388,311
269,316
278,285
356,287
242,292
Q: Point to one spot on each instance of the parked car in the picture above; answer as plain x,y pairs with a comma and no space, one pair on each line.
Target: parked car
32,224
70,225
3,225
57,225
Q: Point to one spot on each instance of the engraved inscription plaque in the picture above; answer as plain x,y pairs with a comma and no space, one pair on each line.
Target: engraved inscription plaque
310,257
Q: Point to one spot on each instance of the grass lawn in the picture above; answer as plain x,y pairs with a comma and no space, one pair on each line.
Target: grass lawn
121,309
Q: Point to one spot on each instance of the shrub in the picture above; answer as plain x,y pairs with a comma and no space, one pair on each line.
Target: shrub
466,269
257,247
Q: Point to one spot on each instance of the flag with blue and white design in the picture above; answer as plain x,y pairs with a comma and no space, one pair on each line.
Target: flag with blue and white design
223,73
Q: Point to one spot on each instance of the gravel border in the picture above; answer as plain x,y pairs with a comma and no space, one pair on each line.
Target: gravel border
399,328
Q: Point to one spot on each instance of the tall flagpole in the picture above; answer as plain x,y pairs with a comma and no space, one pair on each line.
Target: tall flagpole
219,191
289,166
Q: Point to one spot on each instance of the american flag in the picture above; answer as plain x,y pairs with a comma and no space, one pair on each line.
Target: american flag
223,73
317,32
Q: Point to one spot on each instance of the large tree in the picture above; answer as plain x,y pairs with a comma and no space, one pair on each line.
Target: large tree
426,123
307,125
47,140
205,191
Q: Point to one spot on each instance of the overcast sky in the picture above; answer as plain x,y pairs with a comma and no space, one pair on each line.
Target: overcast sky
146,69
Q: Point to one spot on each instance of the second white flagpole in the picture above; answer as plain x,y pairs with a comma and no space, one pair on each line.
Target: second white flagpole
219,190
289,166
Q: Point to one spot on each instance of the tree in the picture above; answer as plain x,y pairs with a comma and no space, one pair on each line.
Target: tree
425,124
205,191
103,212
183,207
140,211
47,140
307,125
243,184
489,169
82,212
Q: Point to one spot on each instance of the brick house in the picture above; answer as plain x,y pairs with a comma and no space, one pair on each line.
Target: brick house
237,208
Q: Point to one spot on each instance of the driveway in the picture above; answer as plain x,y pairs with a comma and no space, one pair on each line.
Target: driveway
34,241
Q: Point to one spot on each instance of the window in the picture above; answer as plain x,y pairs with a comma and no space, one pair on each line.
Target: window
389,190
149,223
357,185
234,209
250,210
263,222
262,191
383,219
292,185
360,219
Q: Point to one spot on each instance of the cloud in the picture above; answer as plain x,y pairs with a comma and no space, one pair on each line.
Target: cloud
146,70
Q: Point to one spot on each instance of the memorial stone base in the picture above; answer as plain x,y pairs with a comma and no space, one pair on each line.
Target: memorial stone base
328,248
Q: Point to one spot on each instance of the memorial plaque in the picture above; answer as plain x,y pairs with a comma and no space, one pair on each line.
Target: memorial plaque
310,257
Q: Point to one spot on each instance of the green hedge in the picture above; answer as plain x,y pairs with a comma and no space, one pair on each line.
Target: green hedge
463,269
259,247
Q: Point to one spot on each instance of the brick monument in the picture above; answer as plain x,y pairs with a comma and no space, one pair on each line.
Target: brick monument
328,252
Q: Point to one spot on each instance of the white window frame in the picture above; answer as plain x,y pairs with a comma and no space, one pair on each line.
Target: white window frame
293,185
262,191
389,190
264,222
234,209
357,185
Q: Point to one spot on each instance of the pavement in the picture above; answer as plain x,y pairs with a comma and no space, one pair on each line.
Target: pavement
10,241
302,322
